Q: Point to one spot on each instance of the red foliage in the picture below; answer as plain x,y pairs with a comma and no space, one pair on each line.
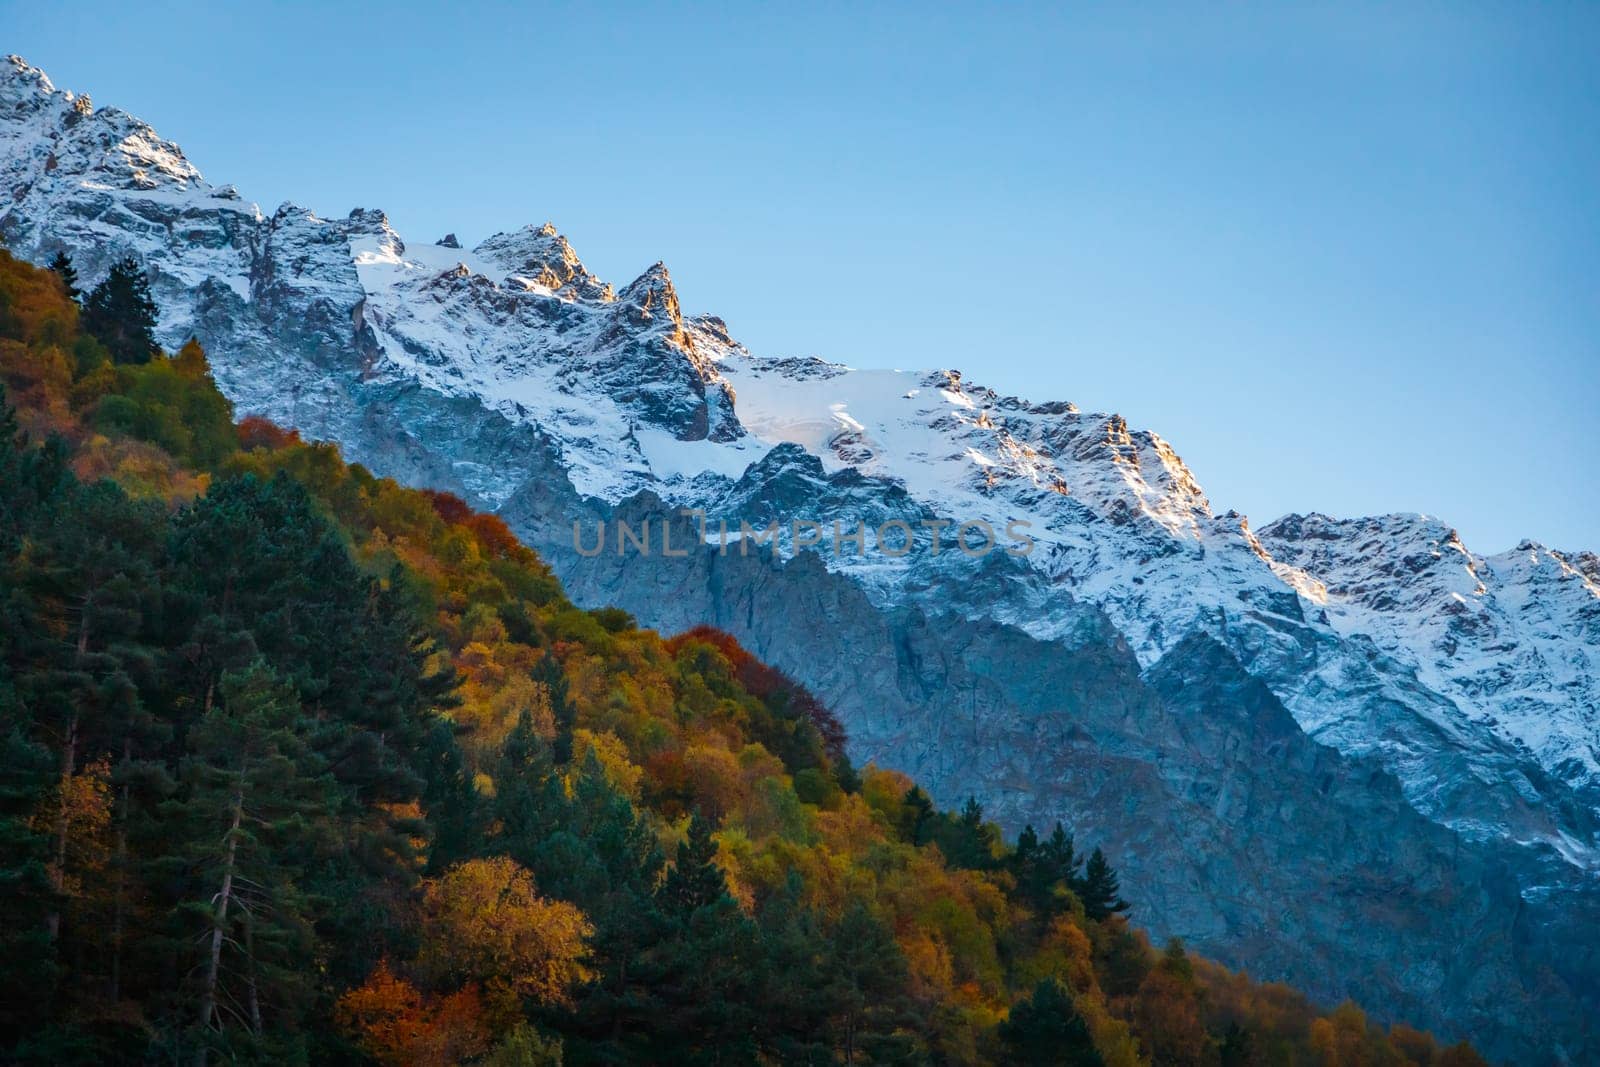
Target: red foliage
450,508
763,682
257,432
493,535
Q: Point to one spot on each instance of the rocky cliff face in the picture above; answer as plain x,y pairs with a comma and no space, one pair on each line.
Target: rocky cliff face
1348,753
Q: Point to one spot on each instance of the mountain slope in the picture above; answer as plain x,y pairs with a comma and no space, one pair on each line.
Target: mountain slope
458,793
510,374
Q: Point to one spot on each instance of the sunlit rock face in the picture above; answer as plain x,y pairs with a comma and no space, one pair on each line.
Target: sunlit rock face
1348,753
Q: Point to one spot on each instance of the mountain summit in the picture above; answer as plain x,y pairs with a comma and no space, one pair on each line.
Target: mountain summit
1373,753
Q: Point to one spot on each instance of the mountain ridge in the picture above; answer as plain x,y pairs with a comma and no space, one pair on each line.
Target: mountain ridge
514,376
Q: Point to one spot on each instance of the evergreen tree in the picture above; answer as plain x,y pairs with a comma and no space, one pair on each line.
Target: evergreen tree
695,880
844,772
794,1018
1059,856
1238,1048
1045,1028
970,842
865,994
62,266
28,968
122,315
250,821
918,816
702,982
1099,890
549,675
458,816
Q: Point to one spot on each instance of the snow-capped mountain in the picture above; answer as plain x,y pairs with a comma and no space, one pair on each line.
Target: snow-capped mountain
1367,680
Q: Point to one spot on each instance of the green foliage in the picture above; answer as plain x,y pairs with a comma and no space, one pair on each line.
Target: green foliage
62,267
695,880
172,403
120,312
1045,1028
1099,889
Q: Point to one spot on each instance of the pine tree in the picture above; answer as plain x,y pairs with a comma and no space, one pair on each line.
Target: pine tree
968,841
549,675
865,994
457,814
794,1017
1099,890
122,315
251,818
918,816
28,966
1059,855
695,880
62,266
1045,1028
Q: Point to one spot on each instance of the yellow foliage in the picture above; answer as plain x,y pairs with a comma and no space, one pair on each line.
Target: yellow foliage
484,922
623,775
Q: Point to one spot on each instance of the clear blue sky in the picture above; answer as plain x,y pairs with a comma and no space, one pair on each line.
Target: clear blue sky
1345,258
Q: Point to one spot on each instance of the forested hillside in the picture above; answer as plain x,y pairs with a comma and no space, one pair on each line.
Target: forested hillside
303,766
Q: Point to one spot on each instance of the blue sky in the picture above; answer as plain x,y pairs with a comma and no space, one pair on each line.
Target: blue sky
1344,257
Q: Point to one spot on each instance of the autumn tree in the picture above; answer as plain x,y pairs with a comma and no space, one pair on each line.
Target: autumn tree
484,922
398,1026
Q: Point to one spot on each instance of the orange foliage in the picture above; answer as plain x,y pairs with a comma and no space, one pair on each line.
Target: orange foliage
396,1025
258,432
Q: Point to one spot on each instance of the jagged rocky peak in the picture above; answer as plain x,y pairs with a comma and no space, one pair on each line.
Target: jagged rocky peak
22,83
448,241
61,131
1354,556
1586,564
541,256
374,222
653,295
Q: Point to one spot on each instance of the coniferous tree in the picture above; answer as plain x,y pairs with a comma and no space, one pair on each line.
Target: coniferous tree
1027,848
62,266
457,814
919,816
28,968
794,1021
703,973
562,713
121,314
1046,1028
1060,856
1237,1049
29,480
250,821
695,880
865,994
970,842
1099,890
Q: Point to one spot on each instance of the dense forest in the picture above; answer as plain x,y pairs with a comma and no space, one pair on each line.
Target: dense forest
302,766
